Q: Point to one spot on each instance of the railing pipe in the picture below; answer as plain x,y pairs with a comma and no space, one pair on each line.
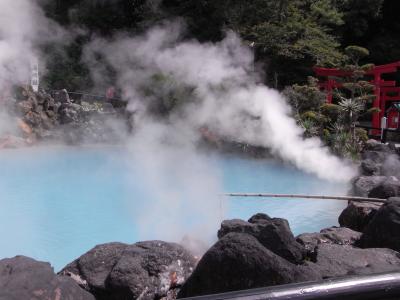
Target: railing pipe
369,287
296,196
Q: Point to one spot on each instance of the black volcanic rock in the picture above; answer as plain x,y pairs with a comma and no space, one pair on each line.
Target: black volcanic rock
272,233
391,166
95,265
62,96
384,229
377,157
333,235
363,185
373,145
25,278
145,270
370,167
239,261
337,260
388,188
357,215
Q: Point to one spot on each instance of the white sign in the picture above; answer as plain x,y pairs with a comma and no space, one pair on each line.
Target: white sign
383,126
35,74
384,123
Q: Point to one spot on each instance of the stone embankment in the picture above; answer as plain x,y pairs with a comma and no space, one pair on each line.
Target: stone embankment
41,117
379,178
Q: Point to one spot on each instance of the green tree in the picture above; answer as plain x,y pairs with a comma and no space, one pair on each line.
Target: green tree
297,34
289,37
353,99
307,101
358,15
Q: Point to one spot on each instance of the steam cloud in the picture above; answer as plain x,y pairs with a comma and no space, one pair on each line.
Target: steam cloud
227,99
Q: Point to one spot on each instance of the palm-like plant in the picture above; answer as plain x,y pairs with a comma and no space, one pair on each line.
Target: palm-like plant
352,108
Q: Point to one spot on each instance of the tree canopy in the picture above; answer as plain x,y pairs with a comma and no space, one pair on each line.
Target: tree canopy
289,37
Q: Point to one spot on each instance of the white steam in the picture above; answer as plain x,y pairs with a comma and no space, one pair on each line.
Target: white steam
227,99
181,187
23,28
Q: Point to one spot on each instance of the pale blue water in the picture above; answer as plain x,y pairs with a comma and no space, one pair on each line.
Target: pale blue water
57,204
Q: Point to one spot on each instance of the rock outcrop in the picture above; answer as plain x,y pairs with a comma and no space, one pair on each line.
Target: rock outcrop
390,187
379,163
363,185
239,261
333,235
357,215
242,260
384,229
25,278
337,260
273,233
38,116
145,270
380,169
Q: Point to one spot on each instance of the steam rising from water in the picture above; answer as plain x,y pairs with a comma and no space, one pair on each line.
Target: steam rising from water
226,98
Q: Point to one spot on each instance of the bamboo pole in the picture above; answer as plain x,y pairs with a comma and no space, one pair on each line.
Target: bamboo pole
293,196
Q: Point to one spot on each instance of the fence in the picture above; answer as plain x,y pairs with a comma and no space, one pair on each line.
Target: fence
384,132
88,97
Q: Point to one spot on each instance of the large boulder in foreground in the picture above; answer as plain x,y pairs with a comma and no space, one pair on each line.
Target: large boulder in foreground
333,235
25,278
338,260
145,270
273,233
384,229
357,215
239,261
242,260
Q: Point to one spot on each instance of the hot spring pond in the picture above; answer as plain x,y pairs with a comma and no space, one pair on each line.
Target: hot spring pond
56,204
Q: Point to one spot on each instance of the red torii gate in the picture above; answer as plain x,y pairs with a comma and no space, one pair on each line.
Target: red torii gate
384,90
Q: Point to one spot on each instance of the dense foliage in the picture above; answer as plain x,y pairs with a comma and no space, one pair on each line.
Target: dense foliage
289,37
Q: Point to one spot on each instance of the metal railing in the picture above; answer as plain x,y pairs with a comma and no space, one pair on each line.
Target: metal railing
89,97
384,131
369,287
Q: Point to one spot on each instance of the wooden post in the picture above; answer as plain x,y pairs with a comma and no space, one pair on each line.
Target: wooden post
329,90
376,120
